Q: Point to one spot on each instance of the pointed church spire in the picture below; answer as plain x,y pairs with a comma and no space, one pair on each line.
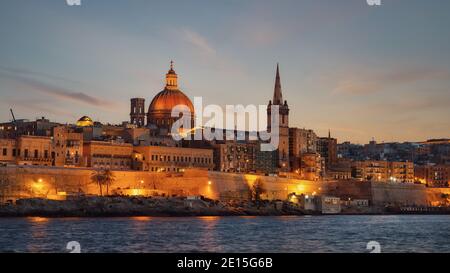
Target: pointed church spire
277,95
329,133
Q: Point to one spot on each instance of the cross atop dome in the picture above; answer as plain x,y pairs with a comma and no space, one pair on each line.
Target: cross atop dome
171,70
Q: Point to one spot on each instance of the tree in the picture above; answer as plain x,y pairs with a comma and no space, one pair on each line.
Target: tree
108,179
97,177
256,190
103,178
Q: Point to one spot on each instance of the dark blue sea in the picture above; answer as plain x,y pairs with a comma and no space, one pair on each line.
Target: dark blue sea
402,233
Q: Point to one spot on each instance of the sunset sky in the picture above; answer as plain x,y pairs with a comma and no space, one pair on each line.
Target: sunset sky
361,71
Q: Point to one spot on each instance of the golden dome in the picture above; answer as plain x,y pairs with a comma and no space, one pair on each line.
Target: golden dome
85,121
167,99
160,109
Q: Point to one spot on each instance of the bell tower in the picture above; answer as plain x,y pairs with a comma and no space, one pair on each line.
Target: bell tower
283,145
137,113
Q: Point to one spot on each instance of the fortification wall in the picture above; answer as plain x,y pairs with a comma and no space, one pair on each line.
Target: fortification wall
399,194
232,186
34,181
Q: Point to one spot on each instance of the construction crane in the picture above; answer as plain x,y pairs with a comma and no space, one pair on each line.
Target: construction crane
12,114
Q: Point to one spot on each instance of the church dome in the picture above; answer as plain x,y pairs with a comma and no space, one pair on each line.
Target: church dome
167,99
160,109
85,121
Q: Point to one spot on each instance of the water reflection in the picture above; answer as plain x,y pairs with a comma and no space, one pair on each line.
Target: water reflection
38,219
38,232
209,218
227,234
210,235
141,218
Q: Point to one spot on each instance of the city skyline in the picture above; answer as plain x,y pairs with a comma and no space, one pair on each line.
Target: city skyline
92,62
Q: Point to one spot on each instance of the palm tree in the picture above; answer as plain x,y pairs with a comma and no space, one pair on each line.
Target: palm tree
97,177
108,179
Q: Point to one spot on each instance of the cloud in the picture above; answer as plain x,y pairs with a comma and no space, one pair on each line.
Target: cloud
37,106
198,41
201,49
51,89
20,71
408,105
377,82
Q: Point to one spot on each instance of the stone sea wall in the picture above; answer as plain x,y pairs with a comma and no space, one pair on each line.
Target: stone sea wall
394,193
32,181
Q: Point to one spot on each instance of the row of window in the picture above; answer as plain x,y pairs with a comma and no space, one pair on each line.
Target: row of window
187,159
26,153
166,169
163,122
156,169
239,149
115,163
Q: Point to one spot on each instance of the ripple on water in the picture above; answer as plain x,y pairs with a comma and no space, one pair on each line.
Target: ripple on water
402,233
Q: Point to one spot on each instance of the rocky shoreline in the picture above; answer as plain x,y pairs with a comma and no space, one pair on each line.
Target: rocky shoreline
122,206
143,206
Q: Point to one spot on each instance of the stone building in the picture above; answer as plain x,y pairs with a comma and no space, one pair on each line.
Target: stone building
370,170
401,172
433,175
16,128
67,147
342,170
235,156
310,167
108,155
8,151
327,148
301,141
171,159
34,150
373,170
266,162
